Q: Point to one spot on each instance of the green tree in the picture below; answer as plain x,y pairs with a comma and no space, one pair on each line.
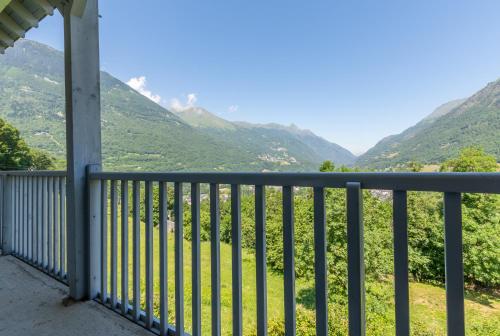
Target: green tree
15,153
471,159
327,166
41,160
415,166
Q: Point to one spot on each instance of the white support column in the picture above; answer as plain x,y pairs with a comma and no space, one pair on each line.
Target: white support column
83,133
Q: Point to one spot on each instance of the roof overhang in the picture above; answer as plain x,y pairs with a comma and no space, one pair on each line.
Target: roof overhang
19,16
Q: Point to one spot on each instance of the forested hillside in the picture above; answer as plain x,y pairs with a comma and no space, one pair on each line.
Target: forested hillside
471,122
137,133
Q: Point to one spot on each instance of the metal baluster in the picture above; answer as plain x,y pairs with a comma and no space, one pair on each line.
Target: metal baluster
30,219
196,255
114,244
400,218
260,259
62,206
23,216
104,241
137,249
50,212
215,257
26,219
149,253
21,219
454,264
45,239
16,214
39,214
163,259
320,262
355,260
124,301
34,198
289,260
179,259
34,250
236,258
34,219
56,225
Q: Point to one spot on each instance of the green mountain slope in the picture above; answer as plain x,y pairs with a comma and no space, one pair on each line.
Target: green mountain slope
460,123
270,142
137,133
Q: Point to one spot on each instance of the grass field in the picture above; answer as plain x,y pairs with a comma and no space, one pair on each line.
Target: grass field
427,302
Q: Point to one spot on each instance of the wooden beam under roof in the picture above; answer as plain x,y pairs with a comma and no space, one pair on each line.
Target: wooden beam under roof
3,4
11,25
5,38
24,13
45,6
19,16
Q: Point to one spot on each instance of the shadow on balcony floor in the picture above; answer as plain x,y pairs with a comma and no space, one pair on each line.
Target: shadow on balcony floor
31,304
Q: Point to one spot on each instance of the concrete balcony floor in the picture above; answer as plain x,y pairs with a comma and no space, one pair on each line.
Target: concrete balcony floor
31,303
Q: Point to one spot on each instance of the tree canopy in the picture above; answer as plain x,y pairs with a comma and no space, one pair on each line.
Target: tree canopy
471,159
15,154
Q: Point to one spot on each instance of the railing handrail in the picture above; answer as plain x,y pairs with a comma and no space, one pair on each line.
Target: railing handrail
42,173
439,182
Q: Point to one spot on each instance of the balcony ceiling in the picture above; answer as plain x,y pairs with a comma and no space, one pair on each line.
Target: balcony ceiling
19,16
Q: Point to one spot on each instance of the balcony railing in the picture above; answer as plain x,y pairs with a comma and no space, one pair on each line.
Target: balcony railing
34,204
33,219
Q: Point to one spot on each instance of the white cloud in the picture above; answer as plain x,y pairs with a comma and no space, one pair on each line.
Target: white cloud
177,105
191,99
139,84
233,108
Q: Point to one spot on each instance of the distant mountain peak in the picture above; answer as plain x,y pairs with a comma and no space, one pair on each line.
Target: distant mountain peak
197,116
439,136
201,118
444,109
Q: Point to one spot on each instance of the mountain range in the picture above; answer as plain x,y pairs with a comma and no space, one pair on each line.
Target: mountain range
474,121
138,134
287,142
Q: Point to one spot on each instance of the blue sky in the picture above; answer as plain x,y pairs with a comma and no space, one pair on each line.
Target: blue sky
351,71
